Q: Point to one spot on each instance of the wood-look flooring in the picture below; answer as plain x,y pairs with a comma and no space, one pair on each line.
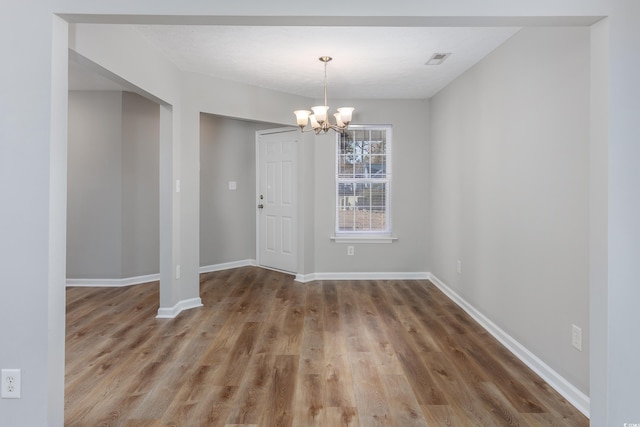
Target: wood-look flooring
268,351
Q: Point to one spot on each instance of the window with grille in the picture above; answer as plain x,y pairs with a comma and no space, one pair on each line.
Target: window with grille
363,180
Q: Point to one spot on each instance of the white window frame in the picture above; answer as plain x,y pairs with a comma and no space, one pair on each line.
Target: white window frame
366,236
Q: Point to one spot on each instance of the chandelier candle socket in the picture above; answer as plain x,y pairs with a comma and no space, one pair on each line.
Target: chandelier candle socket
319,120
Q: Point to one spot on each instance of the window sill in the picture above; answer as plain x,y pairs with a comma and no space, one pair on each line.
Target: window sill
368,238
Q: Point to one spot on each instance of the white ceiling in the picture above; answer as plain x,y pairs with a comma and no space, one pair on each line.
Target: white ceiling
368,62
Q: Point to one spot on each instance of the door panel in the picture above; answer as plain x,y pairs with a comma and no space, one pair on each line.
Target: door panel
270,244
277,194
287,180
287,235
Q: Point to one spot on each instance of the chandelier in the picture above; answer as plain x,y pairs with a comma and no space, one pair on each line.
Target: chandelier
319,120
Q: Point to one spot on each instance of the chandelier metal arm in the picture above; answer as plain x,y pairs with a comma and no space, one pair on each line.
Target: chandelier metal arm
325,127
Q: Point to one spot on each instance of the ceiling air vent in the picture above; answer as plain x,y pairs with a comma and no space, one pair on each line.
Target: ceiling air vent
437,58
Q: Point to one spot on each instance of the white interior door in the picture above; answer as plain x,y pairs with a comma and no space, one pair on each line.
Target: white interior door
277,200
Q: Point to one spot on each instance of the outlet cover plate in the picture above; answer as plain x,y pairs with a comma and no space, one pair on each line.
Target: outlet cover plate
10,383
576,337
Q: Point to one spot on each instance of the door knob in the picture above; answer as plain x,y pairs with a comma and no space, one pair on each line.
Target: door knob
260,206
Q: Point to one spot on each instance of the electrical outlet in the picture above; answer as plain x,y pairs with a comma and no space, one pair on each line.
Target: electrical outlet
10,383
177,271
576,337
351,250
459,267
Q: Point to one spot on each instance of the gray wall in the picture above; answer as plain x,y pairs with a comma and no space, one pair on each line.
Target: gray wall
112,208
508,189
409,206
140,187
227,217
94,198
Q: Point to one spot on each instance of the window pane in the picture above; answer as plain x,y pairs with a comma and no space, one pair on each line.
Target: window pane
345,166
362,220
362,206
362,154
378,159
378,197
346,219
350,156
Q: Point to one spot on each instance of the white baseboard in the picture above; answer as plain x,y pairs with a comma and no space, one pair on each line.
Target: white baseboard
559,383
171,312
113,283
304,278
228,265
128,281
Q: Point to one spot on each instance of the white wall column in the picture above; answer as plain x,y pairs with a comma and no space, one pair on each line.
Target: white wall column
169,215
57,222
598,170
622,294
179,284
33,117
190,201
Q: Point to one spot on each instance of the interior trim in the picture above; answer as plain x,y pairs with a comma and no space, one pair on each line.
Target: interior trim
113,283
171,312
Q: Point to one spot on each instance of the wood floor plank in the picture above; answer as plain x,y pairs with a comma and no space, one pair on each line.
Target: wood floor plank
210,409
373,408
231,371
143,423
312,352
351,319
279,400
219,348
252,397
289,339
342,417
499,405
336,371
443,416
266,351
312,346
377,332
554,420
309,401
405,409
331,307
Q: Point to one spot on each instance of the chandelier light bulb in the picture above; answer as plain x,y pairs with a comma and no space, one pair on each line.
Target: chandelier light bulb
314,122
345,114
302,117
320,112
